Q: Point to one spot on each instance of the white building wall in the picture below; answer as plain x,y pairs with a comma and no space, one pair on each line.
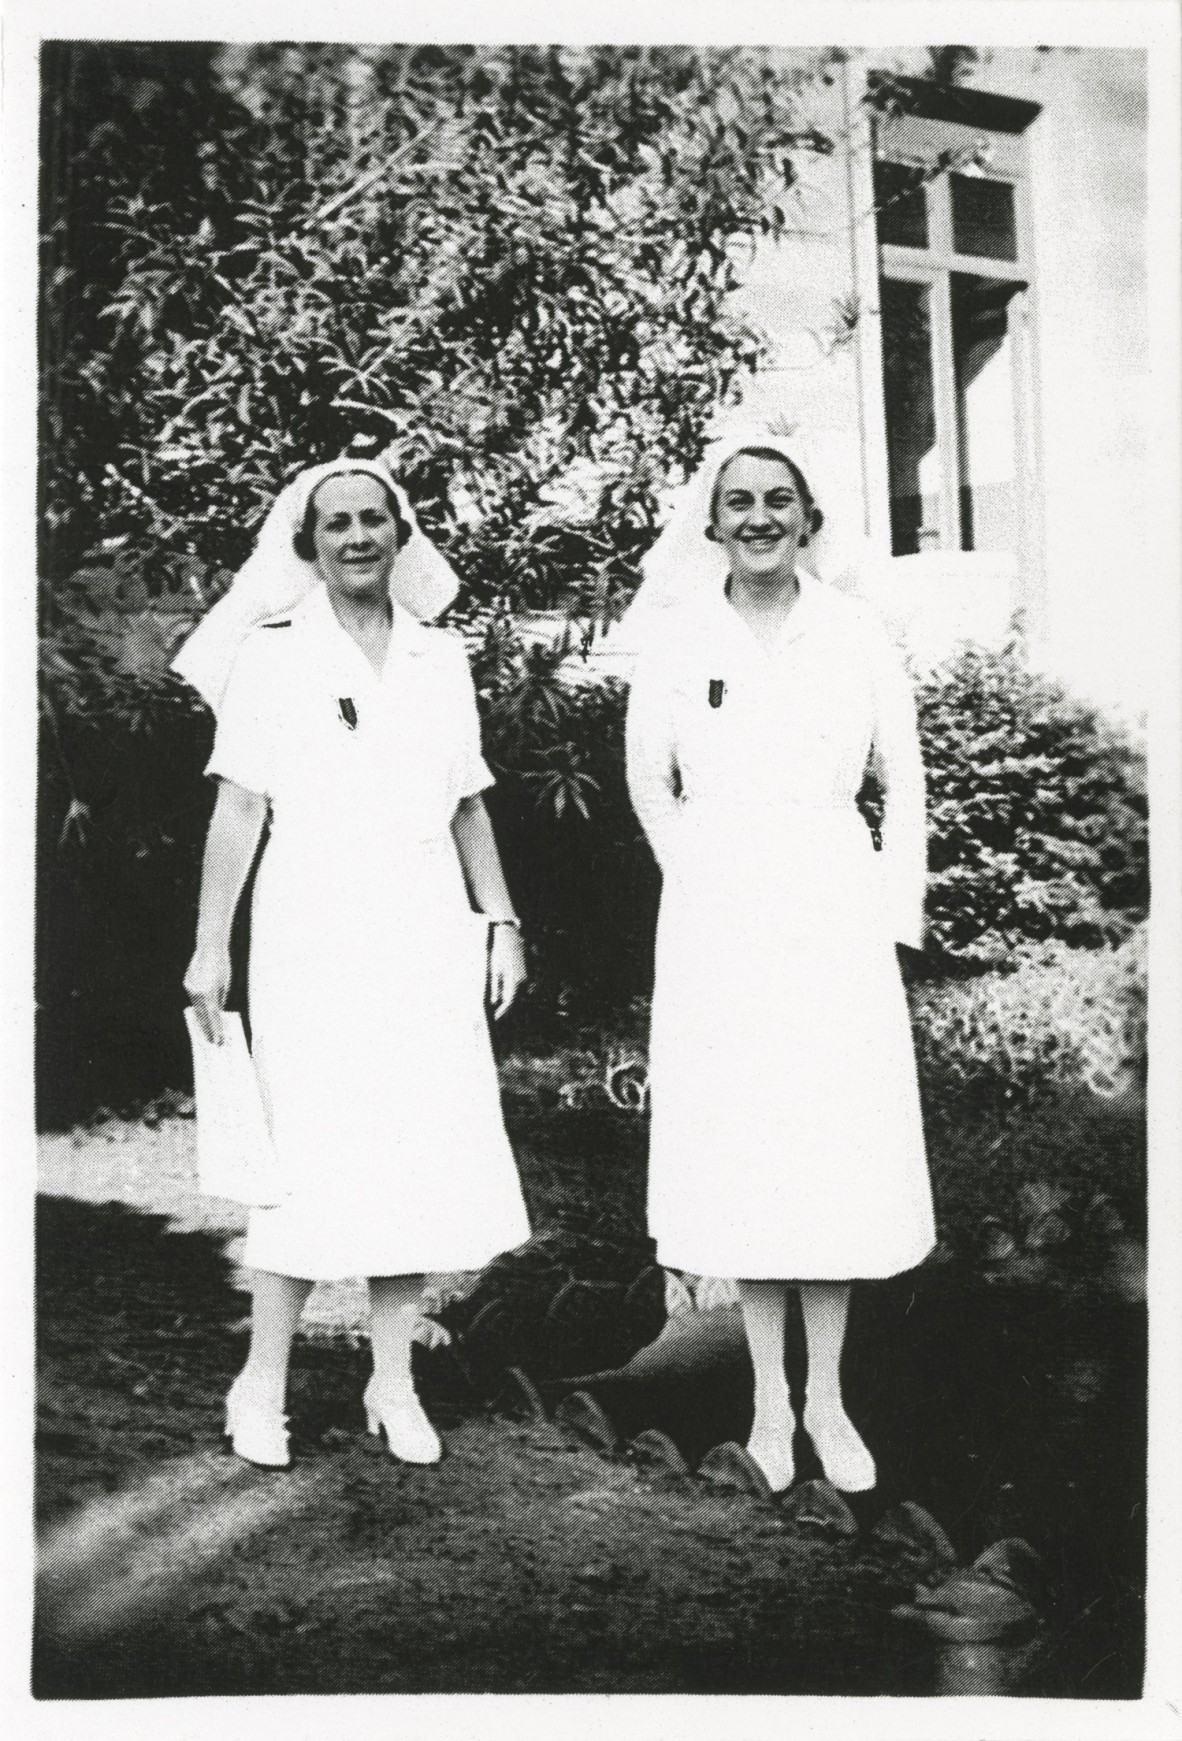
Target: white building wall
1088,177
1086,590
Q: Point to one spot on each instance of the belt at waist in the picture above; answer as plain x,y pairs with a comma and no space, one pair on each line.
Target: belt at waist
766,809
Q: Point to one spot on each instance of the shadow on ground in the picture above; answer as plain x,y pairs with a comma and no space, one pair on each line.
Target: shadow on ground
1003,1409
525,1563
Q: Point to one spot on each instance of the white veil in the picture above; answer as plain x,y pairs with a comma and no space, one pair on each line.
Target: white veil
684,567
273,579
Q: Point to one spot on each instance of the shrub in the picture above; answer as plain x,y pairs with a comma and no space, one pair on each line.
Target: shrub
121,820
1037,813
574,853
1037,817
1059,1019
123,809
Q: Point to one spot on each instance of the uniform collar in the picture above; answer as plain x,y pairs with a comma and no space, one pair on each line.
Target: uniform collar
795,624
407,634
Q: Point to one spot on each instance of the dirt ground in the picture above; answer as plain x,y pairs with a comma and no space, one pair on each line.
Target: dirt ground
527,1562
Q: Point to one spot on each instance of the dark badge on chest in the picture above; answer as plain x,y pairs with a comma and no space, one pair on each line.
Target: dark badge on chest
717,691
348,711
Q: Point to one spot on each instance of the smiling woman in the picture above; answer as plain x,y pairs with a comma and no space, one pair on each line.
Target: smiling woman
352,532
786,1140
761,512
372,513
349,729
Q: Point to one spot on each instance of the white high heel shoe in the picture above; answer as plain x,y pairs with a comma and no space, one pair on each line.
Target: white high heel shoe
409,1434
774,1457
847,1463
258,1433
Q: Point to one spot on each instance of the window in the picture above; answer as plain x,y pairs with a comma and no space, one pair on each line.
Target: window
910,412
954,272
986,411
983,217
899,204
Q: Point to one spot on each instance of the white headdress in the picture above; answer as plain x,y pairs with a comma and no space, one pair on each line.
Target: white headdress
273,578
684,566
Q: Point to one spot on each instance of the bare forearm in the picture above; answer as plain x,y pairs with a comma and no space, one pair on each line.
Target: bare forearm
230,846
481,862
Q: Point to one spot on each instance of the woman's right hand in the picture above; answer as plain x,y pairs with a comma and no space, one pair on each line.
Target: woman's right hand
207,981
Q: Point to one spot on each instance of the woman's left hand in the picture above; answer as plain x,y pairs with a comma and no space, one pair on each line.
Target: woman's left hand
506,968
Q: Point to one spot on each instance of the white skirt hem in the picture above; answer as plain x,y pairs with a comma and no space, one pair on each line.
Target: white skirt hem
756,1266
436,1260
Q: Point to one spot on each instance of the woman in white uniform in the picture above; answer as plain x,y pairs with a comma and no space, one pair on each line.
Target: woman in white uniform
380,916
786,1147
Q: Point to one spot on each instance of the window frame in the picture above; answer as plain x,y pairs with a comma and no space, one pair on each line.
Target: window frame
926,135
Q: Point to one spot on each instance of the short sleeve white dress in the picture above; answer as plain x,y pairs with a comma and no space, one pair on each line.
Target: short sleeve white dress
367,963
786,1134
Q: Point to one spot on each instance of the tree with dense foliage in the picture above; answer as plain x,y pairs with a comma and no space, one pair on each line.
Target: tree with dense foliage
511,266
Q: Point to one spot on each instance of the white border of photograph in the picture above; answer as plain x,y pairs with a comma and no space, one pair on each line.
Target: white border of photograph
1152,24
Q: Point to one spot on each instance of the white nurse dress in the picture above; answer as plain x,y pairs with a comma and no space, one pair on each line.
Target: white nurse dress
367,964
786,1134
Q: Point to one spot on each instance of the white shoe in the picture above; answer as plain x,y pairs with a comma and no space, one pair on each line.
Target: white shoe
257,1432
774,1456
409,1434
847,1463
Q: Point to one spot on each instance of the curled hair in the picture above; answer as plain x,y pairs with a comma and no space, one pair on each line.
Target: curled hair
304,538
813,515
